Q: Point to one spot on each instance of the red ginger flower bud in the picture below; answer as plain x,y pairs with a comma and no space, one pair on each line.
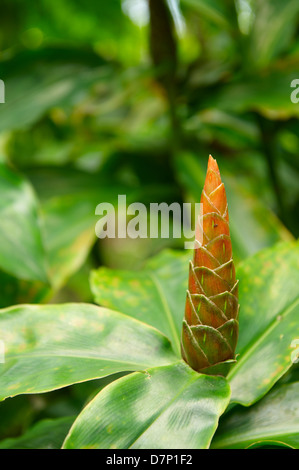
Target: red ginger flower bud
210,326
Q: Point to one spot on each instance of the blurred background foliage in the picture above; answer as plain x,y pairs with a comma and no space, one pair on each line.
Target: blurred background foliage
130,97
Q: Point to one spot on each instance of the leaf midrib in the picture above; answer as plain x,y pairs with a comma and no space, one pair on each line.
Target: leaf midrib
99,358
163,409
169,316
283,313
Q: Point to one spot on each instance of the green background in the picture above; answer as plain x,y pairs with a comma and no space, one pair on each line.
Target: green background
110,97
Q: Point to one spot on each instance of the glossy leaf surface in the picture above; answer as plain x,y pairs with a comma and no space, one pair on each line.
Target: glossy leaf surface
268,295
275,419
46,434
155,295
49,347
269,299
169,407
21,249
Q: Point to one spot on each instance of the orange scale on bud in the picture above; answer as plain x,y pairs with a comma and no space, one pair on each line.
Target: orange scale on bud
213,165
207,205
207,312
227,303
190,312
227,272
213,180
214,225
191,352
211,283
193,285
221,249
203,257
218,199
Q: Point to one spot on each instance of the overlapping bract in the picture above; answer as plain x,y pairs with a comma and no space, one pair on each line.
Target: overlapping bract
210,326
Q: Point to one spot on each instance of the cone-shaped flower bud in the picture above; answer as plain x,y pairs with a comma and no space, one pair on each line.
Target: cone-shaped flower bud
210,326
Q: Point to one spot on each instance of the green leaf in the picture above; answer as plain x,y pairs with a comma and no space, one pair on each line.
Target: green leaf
69,199
17,291
46,434
170,407
37,81
21,249
269,300
268,295
274,419
255,94
16,416
52,346
274,23
253,226
68,202
69,234
237,131
269,445
213,10
155,295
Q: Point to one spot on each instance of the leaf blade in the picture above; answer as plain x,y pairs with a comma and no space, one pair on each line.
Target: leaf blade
155,295
268,420
46,434
21,248
185,415
268,321
82,342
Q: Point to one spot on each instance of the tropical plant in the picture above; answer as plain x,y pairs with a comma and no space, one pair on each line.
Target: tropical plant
159,401
128,97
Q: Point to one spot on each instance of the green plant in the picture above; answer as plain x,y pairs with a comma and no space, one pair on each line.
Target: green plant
210,326
161,402
105,99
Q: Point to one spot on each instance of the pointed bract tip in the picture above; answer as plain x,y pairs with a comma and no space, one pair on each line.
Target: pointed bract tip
213,177
212,164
